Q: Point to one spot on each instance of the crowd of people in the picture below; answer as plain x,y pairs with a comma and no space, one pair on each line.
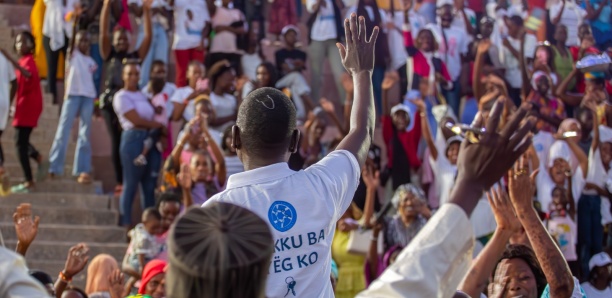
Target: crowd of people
493,176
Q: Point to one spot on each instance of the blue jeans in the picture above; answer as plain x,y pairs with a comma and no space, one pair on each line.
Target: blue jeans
157,51
590,230
132,144
94,52
453,96
73,106
377,78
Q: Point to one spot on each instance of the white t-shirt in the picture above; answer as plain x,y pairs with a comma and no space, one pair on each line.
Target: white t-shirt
125,101
541,143
7,75
169,89
545,186
459,22
324,27
190,18
225,41
512,65
179,96
249,63
302,222
457,45
596,173
79,71
225,105
156,18
573,15
445,173
565,232
396,38
592,292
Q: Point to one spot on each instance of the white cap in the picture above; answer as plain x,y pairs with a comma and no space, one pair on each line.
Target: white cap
559,150
290,27
454,139
400,107
599,260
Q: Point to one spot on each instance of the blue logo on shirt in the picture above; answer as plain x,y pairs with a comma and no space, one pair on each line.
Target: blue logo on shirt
282,216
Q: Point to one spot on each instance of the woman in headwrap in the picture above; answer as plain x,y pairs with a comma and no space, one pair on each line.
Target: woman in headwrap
221,250
152,282
100,268
548,108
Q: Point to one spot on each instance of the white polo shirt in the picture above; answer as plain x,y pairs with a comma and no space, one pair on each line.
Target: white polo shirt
302,209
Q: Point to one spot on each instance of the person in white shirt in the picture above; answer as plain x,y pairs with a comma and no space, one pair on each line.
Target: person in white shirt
325,29
8,87
183,105
79,101
302,207
189,42
465,18
453,46
599,284
14,278
229,24
568,13
510,54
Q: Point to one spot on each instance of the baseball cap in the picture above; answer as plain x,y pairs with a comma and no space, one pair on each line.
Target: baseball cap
400,107
599,260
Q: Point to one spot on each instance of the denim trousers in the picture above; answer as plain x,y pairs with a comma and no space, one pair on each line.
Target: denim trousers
590,230
94,52
158,51
132,144
72,107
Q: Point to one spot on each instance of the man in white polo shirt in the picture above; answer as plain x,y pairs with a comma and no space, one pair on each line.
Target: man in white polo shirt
302,207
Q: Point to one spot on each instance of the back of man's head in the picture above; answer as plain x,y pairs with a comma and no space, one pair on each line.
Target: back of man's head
267,119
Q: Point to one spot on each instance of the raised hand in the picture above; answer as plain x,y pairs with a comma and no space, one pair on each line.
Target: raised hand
521,186
483,46
115,281
184,177
147,4
26,226
420,104
358,54
390,80
503,210
327,105
371,178
76,260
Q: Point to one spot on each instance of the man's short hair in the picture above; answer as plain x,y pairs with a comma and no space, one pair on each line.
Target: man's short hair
267,119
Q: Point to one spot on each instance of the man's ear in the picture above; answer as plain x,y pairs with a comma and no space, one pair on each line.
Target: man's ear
236,143
295,140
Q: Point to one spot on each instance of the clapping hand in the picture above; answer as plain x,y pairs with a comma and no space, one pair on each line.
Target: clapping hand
184,177
371,178
390,80
115,281
521,185
327,106
358,54
76,260
502,210
26,226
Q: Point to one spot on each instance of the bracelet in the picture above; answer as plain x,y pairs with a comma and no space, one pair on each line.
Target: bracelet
64,278
374,239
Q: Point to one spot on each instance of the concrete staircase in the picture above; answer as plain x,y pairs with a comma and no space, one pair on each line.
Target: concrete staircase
69,212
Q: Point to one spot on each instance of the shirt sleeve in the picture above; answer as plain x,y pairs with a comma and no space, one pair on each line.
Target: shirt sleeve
14,278
178,96
434,263
122,104
338,175
578,183
10,70
310,5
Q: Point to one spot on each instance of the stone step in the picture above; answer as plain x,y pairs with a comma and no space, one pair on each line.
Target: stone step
75,216
70,233
14,169
67,200
53,215
45,131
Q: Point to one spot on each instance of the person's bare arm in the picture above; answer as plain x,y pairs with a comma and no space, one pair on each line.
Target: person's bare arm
561,90
105,34
570,196
372,256
583,160
482,50
426,130
468,25
510,48
526,88
550,258
358,59
371,178
215,151
74,32
148,30
75,263
557,18
592,13
139,122
178,149
26,73
477,278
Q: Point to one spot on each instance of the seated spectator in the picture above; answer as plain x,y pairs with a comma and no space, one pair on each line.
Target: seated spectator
100,268
222,78
233,164
311,149
201,178
234,254
183,99
412,214
136,115
253,55
266,77
599,278
153,282
289,58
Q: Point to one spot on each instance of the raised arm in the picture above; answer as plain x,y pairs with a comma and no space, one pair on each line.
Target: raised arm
426,130
583,160
358,59
561,91
329,108
477,278
215,151
557,18
148,29
592,13
550,258
460,6
105,30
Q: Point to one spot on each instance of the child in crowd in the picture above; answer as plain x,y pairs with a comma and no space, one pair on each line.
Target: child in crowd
156,136
562,226
143,246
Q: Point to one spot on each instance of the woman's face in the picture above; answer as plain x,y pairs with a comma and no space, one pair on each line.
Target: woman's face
561,34
558,199
425,41
512,27
584,31
543,85
121,42
409,205
557,172
131,75
200,169
521,280
401,119
23,44
194,73
159,71
486,29
226,80
82,41
605,150
263,76
453,152
169,211
156,287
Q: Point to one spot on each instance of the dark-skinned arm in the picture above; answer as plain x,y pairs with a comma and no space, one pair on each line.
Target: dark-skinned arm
139,122
583,160
561,91
426,130
74,32
557,18
105,34
570,196
26,73
215,151
526,88
468,25
372,256
592,13
358,59
477,85
148,30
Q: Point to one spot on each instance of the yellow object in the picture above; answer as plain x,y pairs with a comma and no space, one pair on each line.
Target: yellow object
37,17
351,276
386,4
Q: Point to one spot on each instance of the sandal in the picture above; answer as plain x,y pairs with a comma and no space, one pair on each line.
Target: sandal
20,188
84,178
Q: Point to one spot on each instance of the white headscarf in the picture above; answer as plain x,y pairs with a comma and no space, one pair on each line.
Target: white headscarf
559,150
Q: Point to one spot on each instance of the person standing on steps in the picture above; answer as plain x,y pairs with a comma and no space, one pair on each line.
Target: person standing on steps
114,49
28,108
8,87
264,137
80,94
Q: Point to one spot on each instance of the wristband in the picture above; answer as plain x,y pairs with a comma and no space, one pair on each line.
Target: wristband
64,278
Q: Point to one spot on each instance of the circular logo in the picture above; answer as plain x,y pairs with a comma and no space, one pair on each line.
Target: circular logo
282,216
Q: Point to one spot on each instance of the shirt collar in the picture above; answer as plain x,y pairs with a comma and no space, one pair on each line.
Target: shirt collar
260,175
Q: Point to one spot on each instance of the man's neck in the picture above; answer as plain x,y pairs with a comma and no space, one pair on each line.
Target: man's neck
256,163
290,47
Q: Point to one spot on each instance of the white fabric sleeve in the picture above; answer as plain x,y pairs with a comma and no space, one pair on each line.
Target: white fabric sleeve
434,263
338,175
14,278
